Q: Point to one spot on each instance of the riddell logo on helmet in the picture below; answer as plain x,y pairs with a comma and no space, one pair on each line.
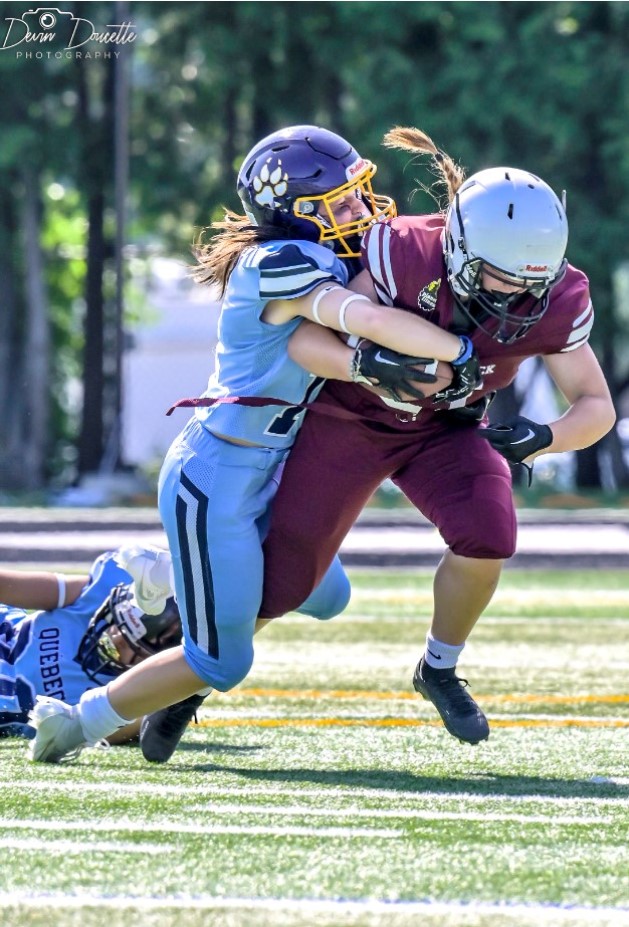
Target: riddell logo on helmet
134,624
536,268
355,168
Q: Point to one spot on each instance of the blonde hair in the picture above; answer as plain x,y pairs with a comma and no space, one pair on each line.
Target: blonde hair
410,139
233,235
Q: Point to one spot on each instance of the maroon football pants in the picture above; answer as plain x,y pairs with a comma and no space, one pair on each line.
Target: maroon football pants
450,473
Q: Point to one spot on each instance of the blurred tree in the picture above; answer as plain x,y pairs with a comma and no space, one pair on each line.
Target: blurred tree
94,128
58,112
541,85
33,118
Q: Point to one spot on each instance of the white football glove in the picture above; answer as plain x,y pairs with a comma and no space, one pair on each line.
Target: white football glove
152,573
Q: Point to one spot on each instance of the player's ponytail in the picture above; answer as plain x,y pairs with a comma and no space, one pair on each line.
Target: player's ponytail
411,139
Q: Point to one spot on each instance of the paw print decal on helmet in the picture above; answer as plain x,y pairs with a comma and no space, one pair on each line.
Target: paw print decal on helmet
293,178
269,183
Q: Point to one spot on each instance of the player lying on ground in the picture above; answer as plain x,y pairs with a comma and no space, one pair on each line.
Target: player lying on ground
86,631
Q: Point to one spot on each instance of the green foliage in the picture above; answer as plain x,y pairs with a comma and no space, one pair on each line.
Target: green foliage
63,241
539,85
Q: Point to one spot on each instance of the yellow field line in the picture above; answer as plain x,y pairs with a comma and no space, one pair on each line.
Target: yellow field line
404,722
406,696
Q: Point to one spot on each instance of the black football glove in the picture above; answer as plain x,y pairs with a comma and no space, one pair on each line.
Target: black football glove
474,411
377,366
518,438
467,375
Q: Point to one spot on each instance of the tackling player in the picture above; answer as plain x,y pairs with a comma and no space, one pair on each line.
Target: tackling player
308,200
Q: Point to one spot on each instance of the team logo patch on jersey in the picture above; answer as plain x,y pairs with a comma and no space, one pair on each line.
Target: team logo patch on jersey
269,183
427,299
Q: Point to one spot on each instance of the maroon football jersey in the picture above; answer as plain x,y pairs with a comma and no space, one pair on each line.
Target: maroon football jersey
439,461
405,259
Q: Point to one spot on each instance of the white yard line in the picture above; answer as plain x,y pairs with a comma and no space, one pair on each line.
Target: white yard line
215,809
155,789
419,814
42,845
538,913
207,829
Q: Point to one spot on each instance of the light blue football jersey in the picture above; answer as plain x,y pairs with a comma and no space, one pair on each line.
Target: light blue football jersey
38,650
252,356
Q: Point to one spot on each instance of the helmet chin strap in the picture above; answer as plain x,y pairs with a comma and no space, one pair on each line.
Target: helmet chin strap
470,314
353,242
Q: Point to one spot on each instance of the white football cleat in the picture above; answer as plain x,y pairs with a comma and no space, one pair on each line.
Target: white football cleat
151,570
59,735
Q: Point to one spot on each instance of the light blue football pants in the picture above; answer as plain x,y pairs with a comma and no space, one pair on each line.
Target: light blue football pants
214,500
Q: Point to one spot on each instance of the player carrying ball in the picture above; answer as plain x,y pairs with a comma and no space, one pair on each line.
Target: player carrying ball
491,266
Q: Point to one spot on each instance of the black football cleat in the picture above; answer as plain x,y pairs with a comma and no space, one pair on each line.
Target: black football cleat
459,712
161,731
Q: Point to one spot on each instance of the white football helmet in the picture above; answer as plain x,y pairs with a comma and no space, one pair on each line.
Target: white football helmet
508,224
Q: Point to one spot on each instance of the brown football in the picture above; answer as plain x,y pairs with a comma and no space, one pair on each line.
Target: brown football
443,372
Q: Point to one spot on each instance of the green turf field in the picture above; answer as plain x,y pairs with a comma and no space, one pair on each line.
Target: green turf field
323,791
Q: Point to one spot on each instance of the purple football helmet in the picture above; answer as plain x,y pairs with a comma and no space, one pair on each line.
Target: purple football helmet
293,178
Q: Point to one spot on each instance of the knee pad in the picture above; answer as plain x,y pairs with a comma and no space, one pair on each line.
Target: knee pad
222,674
486,544
232,675
335,605
330,598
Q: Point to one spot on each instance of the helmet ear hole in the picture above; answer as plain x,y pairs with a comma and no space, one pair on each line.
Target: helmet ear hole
162,631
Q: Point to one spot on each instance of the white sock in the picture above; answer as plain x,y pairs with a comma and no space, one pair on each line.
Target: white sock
440,655
98,718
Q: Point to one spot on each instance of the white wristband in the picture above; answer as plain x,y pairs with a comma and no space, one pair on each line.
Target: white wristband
343,310
318,298
61,584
